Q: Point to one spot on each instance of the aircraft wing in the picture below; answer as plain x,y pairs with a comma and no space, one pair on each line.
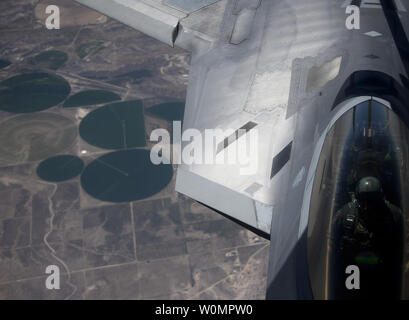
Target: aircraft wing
198,26
273,58
165,19
252,63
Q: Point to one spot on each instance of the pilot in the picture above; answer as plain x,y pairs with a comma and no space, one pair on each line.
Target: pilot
368,222
368,232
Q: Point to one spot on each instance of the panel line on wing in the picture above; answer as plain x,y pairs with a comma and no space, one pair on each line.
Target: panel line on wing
281,159
235,136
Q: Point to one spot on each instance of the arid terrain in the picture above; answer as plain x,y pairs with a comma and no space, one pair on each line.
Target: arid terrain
160,245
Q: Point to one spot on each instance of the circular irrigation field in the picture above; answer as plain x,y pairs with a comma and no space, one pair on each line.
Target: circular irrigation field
33,137
124,176
32,92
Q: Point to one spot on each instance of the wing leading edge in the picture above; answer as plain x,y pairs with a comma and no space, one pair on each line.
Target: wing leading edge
164,20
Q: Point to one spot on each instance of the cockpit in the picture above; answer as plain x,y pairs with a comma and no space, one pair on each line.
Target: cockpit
359,207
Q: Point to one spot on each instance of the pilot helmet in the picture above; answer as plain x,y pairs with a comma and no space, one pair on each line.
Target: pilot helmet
369,188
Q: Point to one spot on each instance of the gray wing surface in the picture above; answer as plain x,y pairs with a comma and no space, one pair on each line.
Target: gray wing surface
164,19
272,58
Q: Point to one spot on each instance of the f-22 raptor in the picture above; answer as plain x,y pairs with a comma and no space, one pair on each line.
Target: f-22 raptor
330,104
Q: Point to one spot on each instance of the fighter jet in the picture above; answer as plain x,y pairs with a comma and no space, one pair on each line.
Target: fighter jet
325,85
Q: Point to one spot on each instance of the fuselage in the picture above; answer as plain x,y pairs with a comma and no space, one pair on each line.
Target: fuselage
361,113
296,70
